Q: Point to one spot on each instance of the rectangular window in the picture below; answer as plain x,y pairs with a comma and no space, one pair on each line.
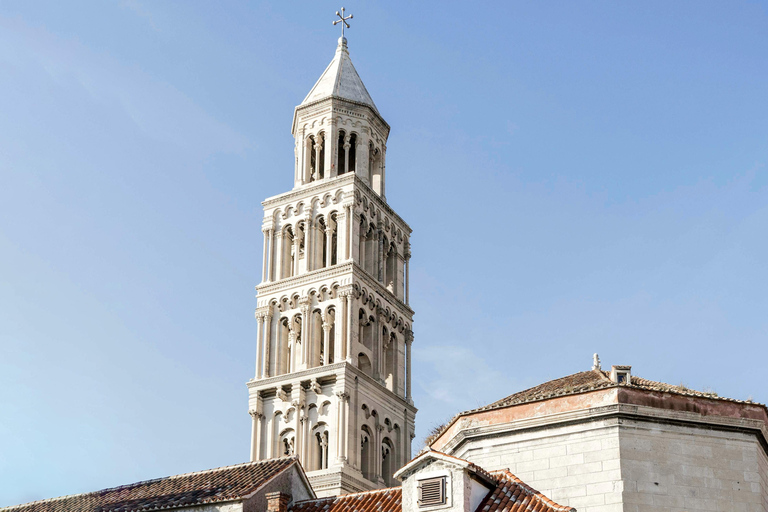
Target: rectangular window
432,492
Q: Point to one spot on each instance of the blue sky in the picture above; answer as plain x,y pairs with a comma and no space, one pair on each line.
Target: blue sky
580,176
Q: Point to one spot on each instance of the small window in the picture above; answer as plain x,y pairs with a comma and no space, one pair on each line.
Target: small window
432,492
621,377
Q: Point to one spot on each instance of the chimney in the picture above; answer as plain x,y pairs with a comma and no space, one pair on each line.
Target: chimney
277,501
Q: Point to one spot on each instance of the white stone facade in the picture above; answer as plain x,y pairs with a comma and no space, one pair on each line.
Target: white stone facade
332,382
629,458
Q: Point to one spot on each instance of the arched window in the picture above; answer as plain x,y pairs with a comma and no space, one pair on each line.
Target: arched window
333,226
390,279
328,345
364,364
387,461
287,442
365,452
286,259
390,363
283,347
321,247
352,153
341,159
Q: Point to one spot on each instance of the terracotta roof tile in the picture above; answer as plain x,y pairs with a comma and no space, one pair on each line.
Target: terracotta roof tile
512,495
509,495
381,500
211,486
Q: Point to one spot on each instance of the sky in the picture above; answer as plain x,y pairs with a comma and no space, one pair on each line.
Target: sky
580,177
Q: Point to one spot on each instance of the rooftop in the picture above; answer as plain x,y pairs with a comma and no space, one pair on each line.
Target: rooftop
203,487
340,80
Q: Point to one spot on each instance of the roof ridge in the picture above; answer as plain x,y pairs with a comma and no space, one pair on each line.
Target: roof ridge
352,494
143,482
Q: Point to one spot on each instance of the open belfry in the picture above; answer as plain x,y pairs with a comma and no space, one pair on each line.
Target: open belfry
333,373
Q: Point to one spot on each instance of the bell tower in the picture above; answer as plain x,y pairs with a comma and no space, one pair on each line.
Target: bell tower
333,361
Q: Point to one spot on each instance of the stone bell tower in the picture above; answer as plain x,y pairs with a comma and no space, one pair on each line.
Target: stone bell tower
333,363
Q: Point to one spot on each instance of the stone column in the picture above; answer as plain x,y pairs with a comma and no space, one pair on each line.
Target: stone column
279,255
326,342
297,427
259,343
379,433
308,243
341,235
256,435
265,260
339,325
350,323
292,342
342,430
317,147
382,172
330,141
267,342
407,277
408,341
349,236
270,253
269,424
306,331
362,156
329,244
297,249
347,145
376,344
380,252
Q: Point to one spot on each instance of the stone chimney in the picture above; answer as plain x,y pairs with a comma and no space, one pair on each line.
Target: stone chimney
277,501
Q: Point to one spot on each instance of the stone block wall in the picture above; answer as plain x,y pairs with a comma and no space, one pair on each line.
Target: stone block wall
575,465
668,468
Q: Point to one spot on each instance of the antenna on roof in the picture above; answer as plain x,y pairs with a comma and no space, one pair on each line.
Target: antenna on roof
595,361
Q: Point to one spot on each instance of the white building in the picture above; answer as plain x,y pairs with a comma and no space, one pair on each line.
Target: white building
333,383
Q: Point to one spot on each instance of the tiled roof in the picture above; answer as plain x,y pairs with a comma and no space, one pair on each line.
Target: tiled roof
340,80
509,495
382,500
572,384
512,495
584,382
592,380
211,486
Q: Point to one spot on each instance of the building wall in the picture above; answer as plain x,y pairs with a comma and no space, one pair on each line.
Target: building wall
669,467
576,465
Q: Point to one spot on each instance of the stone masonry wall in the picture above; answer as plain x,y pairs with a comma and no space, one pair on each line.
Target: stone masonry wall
669,468
576,465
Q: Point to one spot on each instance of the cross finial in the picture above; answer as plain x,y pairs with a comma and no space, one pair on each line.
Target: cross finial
342,20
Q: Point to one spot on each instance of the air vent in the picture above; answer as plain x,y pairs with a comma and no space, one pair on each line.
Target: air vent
432,492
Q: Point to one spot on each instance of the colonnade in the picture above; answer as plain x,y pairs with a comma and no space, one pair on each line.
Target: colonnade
320,156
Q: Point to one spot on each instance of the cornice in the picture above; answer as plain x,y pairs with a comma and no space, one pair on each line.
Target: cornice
289,378
369,280
381,203
357,372
330,100
349,268
605,412
308,190
306,278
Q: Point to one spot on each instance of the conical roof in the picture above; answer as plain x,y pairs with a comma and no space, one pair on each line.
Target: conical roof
340,80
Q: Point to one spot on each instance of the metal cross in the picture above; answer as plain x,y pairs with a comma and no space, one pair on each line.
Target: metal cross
342,20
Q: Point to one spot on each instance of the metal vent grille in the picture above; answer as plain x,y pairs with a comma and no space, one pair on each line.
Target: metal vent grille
432,492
